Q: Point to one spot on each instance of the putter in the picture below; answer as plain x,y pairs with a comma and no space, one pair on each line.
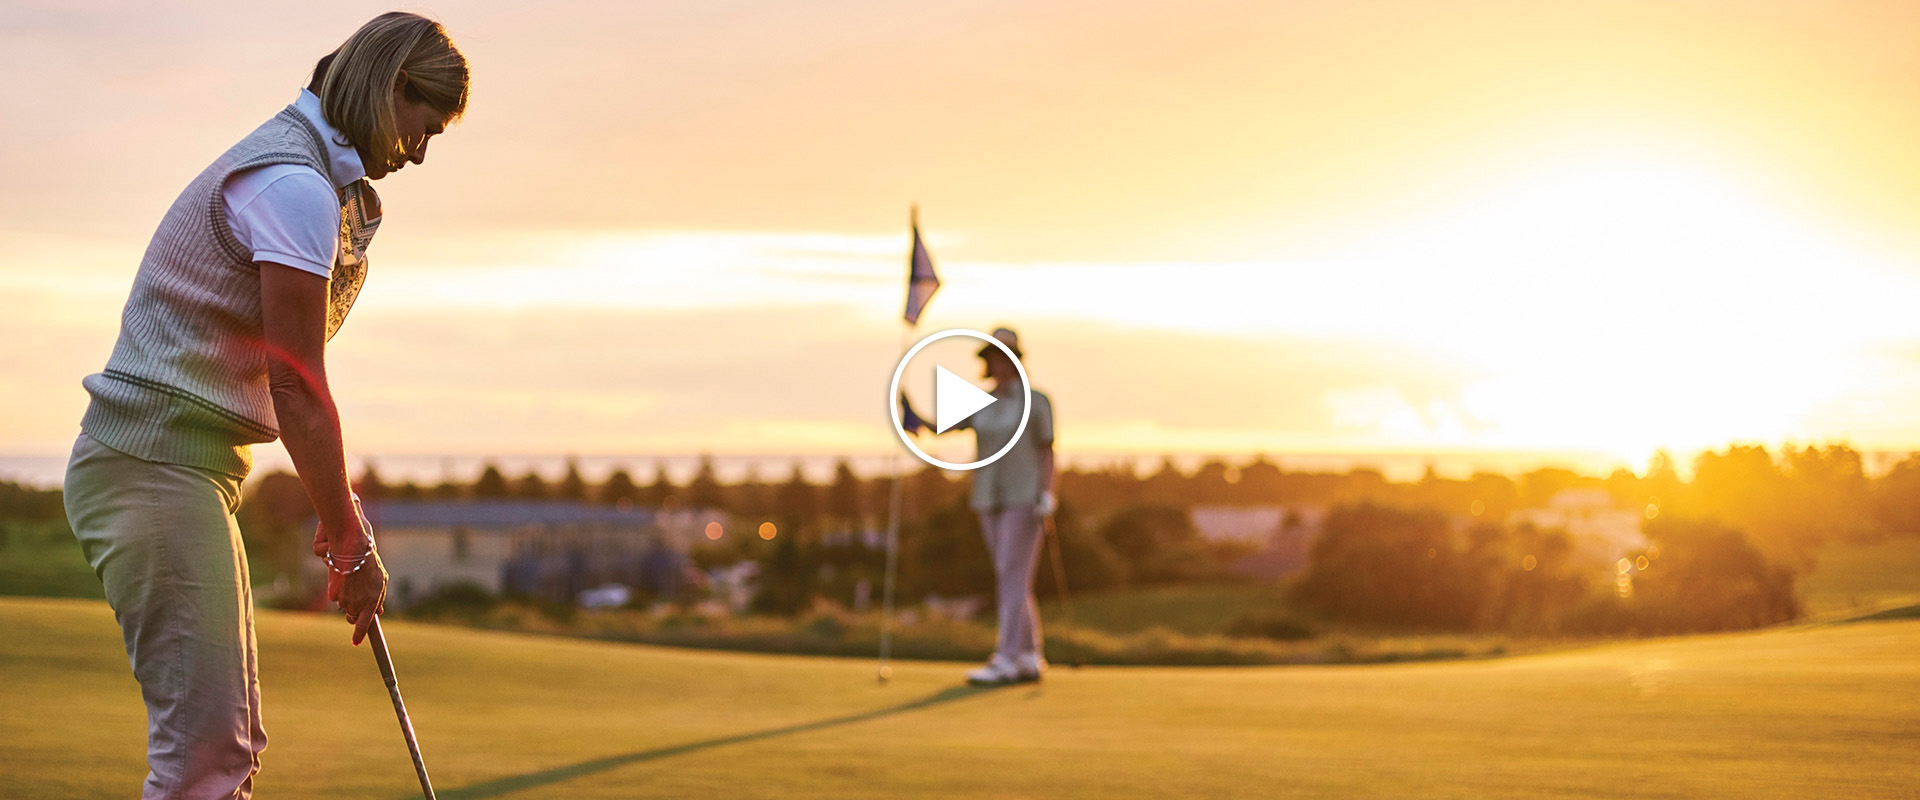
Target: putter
399,708
1060,580
381,657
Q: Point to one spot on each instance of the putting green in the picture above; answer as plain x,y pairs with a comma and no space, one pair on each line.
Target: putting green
1820,711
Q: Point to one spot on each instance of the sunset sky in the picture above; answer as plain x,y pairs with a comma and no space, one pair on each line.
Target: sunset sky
1316,227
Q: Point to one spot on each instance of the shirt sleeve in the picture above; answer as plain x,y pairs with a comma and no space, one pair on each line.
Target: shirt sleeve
285,213
1042,419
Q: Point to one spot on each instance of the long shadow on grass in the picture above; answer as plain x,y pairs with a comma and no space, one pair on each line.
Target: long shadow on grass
1903,612
531,780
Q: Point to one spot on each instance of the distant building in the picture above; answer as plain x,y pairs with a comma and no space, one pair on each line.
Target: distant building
869,538
1278,536
544,548
1601,530
957,609
733,586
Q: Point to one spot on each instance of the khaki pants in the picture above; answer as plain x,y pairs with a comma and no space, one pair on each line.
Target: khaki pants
164,542
1013,539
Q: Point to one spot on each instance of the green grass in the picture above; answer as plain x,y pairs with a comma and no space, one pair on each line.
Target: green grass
42,559
1811,711
1859,578
839,633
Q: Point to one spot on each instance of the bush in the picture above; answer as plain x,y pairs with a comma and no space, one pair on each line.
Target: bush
1157,544
1271,625
828,631
1700,576
1090,564
945,555
1388,566
22,503
463,600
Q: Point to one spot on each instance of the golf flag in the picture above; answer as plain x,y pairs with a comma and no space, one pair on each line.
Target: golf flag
921,282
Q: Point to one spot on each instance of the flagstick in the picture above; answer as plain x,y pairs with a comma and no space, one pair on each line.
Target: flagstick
894,504
893,539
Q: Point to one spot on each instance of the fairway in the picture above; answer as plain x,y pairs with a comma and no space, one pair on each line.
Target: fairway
1825,711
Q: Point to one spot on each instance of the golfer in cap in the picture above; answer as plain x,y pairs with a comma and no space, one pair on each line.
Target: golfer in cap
1012,496
221,347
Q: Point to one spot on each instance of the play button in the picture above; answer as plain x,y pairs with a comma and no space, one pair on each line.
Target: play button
955,399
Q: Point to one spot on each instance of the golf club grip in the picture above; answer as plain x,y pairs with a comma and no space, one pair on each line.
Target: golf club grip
380,656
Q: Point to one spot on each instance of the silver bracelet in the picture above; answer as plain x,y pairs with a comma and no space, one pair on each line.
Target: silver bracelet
357,561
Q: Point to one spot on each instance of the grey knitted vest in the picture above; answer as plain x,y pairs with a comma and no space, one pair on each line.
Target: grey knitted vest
187,381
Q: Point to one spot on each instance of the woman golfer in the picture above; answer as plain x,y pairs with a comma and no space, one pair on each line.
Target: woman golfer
221,347
1012,496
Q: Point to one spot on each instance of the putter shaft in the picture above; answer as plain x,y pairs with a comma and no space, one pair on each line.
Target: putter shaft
379,640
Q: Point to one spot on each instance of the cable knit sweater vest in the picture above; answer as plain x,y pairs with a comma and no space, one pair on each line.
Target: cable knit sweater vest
187,381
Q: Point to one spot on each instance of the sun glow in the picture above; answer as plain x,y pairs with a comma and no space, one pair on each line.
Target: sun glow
1626,305
1597,302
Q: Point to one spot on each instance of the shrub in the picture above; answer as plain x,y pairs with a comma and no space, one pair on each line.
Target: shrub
1700,576
463,600
1271,625
1157,544
1388,566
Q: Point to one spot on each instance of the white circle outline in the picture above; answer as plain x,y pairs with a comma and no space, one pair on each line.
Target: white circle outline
893,402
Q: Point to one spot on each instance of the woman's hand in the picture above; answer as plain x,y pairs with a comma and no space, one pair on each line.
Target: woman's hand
362,595
910,421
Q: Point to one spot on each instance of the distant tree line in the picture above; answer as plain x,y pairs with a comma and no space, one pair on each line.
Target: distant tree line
20,503
1411,569
1799,496
28,512
1122,527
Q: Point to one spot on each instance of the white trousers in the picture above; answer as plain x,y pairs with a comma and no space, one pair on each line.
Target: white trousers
164,542
1013,540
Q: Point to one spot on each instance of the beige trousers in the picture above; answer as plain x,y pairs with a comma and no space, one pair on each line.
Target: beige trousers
1013,539
164,542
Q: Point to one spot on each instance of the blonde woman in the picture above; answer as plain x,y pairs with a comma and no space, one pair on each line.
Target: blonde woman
222,346
1012,497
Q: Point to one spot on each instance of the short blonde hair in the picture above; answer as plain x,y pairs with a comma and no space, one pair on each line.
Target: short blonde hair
356,94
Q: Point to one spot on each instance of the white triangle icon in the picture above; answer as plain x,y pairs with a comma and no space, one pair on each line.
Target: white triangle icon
954,399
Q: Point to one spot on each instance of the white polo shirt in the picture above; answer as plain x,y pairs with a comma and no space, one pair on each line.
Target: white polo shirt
1015,479
288,213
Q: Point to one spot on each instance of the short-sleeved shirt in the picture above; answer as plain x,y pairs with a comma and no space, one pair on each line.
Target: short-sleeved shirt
288,213
1016,479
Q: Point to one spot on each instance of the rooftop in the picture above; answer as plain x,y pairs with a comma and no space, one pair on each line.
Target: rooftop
498,514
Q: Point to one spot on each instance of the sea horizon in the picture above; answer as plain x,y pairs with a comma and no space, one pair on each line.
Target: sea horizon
46,469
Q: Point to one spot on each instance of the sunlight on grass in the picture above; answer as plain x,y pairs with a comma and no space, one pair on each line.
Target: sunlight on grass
1770,714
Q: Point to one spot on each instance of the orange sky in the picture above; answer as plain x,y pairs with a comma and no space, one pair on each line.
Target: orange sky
1222,227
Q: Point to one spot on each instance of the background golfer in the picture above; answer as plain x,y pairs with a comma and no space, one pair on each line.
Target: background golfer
251,271
1012,496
